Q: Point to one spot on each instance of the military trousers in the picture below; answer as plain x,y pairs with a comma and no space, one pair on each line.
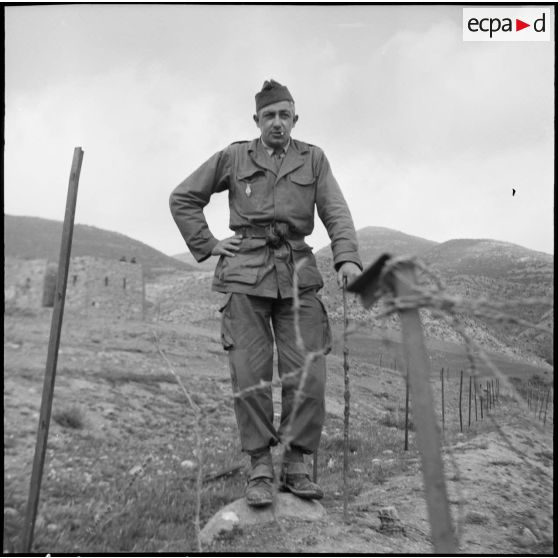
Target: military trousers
250,326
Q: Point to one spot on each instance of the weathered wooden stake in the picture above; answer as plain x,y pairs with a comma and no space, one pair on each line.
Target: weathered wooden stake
460,393
315,466
52,355
401,280
475,395
546,405
407,410
443,403
480,398
347,403
427,435
542,404
470,389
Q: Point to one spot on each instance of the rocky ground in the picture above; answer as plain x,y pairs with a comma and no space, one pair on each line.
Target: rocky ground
123,450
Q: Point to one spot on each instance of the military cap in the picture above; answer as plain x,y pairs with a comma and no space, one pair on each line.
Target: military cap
272,92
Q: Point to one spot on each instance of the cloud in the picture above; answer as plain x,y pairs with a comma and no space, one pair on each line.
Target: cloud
410,116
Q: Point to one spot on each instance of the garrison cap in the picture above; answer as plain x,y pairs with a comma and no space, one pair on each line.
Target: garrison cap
272,92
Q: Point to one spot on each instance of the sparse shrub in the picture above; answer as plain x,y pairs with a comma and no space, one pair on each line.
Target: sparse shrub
229,536
335,444
477,518
10,309
378,473
69,418
397,420
388,419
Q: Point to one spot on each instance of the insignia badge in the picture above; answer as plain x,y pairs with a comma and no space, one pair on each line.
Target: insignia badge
248,189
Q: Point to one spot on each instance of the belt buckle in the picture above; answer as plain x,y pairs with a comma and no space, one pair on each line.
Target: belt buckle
274,237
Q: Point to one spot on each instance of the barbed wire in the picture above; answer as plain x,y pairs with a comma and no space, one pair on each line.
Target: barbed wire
198,435
448,308
442,306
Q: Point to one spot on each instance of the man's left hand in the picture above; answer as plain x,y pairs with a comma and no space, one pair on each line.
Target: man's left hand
349,270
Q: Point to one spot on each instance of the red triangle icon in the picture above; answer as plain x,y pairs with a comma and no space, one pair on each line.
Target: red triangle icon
519,25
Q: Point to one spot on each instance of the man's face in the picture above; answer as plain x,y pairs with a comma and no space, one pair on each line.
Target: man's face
276,122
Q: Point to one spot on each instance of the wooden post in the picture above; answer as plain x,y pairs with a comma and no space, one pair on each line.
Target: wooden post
52,355
546,404
315,466
427,435
407,410
470,389
480,398
487,399
443,403
347,403
399,277
542,404
475,395
460,393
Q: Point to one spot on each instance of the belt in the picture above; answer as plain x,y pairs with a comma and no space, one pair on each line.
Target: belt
275,233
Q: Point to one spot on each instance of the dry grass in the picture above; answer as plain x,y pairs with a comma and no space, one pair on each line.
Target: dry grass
91,503
72,417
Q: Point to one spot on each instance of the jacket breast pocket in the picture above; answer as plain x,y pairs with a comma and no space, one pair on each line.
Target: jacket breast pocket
303,179
302,194
252,187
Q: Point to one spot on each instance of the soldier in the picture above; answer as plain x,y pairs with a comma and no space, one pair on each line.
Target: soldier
274,183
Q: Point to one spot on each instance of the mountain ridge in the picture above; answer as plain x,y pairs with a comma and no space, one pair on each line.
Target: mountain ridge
474,269
27,237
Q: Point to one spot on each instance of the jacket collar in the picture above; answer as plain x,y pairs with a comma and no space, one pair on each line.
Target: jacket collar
292,161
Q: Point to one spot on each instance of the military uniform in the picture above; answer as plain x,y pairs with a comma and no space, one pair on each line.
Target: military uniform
272,210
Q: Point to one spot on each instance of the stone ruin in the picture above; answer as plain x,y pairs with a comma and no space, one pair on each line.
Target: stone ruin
96,286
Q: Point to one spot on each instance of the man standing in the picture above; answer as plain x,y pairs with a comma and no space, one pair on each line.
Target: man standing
274,183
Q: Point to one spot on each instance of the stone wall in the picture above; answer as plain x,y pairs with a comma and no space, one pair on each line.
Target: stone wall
24,282
96,286
103,287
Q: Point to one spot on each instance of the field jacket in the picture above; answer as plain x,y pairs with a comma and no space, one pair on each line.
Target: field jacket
261,197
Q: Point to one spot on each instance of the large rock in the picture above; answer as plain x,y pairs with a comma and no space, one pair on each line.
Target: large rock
239,514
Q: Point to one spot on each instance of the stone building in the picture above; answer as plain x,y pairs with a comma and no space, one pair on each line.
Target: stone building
96,286
24,282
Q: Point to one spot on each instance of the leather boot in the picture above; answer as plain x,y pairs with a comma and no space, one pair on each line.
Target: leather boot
295,479
259,490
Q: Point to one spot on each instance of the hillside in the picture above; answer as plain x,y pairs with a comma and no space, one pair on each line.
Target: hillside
187,258
143,409
500,271
34,238
373,241
489,258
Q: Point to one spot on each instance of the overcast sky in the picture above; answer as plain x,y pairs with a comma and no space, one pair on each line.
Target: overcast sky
425,133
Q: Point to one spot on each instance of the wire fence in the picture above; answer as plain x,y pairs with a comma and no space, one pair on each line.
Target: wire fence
465,398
